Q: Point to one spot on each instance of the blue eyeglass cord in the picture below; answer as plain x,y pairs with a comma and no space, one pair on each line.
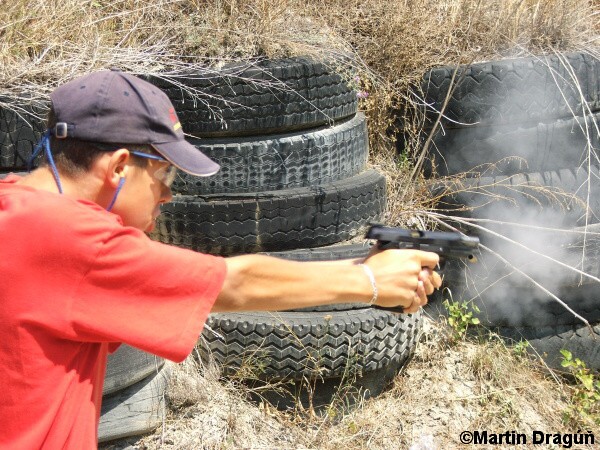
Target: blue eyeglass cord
45,143
120,185
148,155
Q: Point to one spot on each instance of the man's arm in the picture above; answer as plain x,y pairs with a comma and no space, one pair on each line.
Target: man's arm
264,283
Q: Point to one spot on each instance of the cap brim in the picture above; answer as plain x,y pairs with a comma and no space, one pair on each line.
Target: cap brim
188,158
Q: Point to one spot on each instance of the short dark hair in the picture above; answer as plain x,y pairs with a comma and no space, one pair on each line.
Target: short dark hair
75,157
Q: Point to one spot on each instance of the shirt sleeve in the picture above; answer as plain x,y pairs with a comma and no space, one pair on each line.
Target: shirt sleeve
149,295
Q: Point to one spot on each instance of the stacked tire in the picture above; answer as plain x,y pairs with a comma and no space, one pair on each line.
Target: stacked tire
21,126
517,148
293,183
133,398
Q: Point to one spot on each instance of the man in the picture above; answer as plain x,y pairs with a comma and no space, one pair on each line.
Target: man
79,276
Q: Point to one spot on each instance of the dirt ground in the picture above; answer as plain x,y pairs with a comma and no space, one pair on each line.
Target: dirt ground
450,386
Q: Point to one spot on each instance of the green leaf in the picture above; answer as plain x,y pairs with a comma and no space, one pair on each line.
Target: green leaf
588,382
567,354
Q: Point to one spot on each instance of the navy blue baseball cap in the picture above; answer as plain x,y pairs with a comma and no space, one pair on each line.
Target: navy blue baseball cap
114,107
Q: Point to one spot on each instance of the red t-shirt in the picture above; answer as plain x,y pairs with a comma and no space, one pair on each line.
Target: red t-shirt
74,283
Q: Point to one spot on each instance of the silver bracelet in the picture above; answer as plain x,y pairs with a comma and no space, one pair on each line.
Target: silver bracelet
369,273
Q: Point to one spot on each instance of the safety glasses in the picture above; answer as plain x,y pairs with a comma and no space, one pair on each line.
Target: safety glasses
166,175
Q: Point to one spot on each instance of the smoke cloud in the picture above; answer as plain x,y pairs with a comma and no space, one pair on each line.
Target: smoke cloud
542,178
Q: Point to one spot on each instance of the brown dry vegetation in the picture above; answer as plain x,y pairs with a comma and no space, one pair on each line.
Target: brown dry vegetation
449,386
46,42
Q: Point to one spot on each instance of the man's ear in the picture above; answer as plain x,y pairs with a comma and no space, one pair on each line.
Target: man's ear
118,166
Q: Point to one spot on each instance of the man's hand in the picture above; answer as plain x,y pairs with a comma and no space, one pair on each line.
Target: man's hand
404,277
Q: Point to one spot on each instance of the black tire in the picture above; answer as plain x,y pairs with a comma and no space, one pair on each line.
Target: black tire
319,394
515,91
507,299
269,96
127,366
552,199
20,130
231,224
4,175
283,161
303,344
549,341
328,253
509,149
135,410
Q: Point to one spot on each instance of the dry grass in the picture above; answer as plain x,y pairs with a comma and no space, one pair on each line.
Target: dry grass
467,386
449,386
394,41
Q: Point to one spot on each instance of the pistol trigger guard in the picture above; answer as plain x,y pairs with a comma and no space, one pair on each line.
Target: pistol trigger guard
442,263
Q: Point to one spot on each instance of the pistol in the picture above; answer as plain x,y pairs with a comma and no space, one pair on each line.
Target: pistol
446,244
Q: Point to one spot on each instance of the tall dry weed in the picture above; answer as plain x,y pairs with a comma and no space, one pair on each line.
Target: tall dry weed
44,43
397,39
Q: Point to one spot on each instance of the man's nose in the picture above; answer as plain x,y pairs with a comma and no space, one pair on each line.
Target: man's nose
166,195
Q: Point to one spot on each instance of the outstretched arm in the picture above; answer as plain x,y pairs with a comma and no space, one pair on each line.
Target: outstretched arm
263,283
